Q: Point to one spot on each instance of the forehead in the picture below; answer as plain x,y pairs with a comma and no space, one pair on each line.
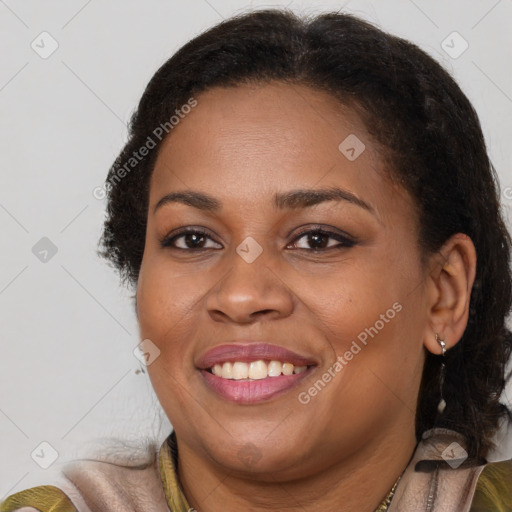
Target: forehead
245,142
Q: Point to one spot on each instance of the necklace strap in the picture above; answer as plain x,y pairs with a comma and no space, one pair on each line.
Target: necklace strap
383,507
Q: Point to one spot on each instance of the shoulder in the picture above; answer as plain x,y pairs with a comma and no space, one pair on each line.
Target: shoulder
94,485
440,475
45,498
494,488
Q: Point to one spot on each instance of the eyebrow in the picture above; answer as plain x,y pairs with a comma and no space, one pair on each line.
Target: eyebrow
294,199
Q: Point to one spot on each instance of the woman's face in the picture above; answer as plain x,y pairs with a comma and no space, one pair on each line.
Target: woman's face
334,279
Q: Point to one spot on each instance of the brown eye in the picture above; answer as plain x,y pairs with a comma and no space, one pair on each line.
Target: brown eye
318,239
190,239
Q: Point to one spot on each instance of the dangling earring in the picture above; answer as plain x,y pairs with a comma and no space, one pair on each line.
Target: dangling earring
442,403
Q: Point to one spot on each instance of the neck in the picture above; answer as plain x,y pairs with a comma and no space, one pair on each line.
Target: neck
358,483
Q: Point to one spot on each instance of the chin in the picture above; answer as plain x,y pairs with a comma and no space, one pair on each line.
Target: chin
261,457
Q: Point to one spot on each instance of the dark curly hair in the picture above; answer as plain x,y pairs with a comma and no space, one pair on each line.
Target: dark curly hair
429,135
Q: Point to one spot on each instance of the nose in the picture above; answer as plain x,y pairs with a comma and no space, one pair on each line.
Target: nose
248,292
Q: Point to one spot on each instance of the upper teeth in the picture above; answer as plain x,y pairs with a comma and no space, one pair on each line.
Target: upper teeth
255,370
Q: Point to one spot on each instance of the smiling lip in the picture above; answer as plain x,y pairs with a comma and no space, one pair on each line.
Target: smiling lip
252,391
246,353
247,391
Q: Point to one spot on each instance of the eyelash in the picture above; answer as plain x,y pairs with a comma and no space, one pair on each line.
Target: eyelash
345,241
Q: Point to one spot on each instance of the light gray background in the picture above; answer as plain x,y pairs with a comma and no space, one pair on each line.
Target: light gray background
68,375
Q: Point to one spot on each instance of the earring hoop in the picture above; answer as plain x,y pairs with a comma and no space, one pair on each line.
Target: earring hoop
442,343
442,402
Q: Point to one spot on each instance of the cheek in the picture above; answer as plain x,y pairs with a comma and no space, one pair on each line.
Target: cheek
376,363
372,314
353,296
165,303
166,294
164,307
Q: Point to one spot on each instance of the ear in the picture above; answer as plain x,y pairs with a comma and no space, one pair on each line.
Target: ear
451,277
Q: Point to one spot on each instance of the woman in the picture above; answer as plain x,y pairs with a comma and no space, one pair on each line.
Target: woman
310,219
